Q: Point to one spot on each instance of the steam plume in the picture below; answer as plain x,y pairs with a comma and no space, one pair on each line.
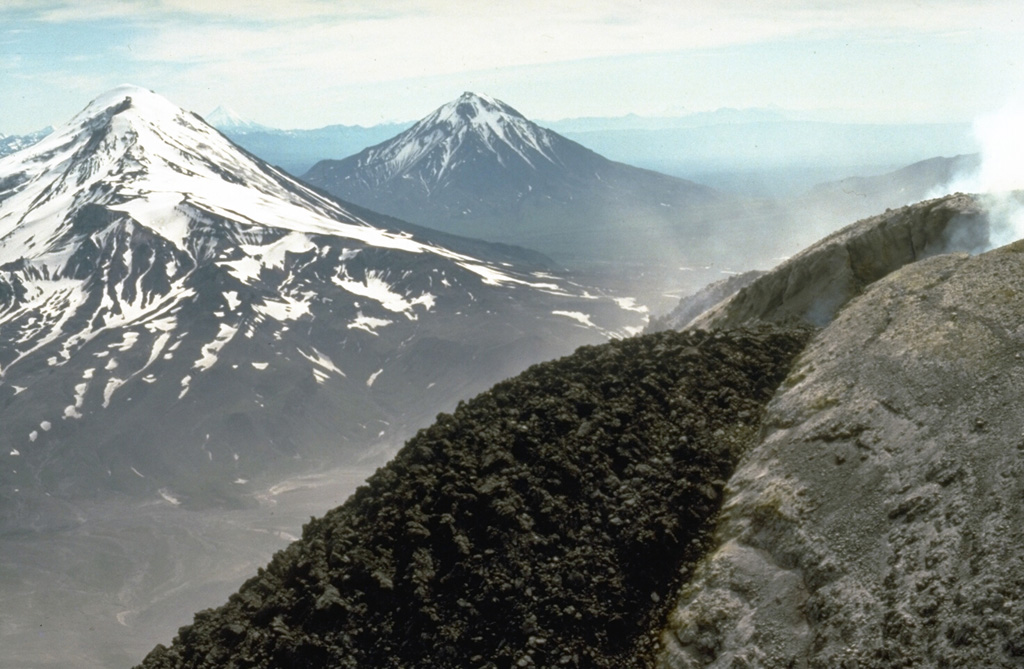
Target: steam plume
1001,137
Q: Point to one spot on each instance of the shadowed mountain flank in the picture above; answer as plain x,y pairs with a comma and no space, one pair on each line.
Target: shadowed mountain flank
543,523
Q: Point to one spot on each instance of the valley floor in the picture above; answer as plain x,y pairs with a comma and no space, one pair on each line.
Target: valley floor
101,594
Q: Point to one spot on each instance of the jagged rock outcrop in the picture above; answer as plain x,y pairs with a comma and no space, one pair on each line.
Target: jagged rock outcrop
814,284
878,523
545,523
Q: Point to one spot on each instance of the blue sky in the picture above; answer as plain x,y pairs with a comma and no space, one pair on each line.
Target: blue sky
309,63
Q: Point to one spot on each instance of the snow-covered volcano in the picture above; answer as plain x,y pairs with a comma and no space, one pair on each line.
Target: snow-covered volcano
476,166
176,316
468,134
227,120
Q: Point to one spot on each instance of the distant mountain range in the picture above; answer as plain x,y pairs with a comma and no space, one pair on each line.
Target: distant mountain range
751,152
295,151
856,197
178,318
758,154
12,143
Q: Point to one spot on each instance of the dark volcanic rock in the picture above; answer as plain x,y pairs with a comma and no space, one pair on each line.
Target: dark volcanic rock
544,523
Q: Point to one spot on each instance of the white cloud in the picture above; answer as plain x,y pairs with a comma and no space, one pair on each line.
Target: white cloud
259,54
359,41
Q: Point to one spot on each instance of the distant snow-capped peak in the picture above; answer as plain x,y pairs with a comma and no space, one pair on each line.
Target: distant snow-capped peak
227,119
12,143
132,151
454,132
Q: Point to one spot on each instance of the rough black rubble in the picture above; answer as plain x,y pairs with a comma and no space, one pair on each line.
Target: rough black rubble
547,522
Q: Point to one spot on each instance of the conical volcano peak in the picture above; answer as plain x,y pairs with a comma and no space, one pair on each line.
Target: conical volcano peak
226,119
144,102
472,134
133,152
476,109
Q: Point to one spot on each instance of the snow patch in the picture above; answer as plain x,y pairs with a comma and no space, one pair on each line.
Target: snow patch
113,383
246,269
368,323
630,304
374,287
232,297
128,340
209,351
73,410
273,254
322,361
578,316
373,377
166,494
286,308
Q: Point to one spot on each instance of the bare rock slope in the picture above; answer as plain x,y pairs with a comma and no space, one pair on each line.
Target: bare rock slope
878,523
814,284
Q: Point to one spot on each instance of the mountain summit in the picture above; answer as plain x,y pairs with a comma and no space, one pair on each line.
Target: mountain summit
178,316
474,137
227,119
476,166
473,148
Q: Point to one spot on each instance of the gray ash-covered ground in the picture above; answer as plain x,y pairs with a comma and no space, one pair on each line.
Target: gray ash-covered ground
548,522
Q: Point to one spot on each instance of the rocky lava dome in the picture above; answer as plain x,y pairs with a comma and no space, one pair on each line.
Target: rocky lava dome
546,522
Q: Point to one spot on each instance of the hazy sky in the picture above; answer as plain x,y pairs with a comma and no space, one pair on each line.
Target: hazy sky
309,63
